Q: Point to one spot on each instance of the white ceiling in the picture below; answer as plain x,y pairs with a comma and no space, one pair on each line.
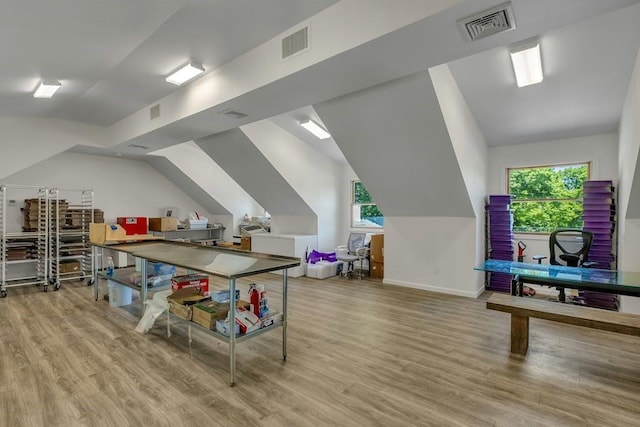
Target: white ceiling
112,58
587,68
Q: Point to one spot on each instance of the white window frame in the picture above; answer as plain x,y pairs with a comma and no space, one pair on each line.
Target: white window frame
355,210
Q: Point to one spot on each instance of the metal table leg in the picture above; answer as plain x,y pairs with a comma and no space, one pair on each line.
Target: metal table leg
284,313
232,331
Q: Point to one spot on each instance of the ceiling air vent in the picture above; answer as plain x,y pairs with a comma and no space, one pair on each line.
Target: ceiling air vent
234,114
154,112
489,22
296,42
137,146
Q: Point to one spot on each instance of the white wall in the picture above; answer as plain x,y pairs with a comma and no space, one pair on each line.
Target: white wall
26,142
471,151
121,187
434,254
211,178
313,175
629,191
600,150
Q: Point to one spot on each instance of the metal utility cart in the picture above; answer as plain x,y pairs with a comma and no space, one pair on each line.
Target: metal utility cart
230,264
71,214
25,252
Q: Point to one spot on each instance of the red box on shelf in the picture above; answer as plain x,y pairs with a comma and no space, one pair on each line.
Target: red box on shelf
200,281
133,225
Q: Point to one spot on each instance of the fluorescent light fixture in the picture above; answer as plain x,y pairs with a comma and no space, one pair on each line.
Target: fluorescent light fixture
185,73
315,129
527,64
46,89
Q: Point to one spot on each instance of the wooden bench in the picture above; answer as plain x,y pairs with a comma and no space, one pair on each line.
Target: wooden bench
521,309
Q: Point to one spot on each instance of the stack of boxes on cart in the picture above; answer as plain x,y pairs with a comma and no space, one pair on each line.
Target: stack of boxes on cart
35,208
78,218
599,218
18,250
500,229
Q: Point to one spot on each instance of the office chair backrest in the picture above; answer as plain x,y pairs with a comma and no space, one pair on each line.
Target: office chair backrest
572,244
356,240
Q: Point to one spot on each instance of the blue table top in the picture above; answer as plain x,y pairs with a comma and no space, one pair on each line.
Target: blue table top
605,280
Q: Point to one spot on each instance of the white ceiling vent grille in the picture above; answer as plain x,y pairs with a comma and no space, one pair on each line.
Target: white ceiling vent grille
492,21
296,42
154,112
235,114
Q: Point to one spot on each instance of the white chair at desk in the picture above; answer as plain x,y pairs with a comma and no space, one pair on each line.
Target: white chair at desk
355,250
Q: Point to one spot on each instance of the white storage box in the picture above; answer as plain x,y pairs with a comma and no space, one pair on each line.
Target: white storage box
322,269
198,224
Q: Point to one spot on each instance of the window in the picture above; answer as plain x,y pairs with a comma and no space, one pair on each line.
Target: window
364,212
548,197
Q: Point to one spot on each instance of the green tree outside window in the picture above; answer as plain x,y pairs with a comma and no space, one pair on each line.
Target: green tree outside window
547,198
364,212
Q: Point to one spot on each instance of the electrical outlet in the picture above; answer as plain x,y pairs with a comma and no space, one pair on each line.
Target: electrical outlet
12,202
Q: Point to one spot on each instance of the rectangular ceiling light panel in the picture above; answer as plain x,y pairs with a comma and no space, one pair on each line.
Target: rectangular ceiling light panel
527,64
185,73
47,89
315,129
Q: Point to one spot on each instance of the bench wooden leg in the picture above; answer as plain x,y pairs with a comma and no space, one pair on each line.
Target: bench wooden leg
519,334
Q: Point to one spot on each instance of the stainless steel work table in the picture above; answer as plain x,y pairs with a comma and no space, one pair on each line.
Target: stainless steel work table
221,262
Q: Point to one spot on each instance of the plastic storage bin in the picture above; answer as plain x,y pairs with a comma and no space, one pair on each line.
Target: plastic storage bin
198,224
323,269
119,295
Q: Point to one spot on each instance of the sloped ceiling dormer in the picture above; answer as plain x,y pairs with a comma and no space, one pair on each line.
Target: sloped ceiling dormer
396,140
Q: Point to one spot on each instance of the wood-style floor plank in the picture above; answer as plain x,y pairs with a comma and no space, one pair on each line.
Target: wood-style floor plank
360,354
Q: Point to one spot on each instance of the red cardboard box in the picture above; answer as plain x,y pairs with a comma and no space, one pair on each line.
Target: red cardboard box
200,281
133,225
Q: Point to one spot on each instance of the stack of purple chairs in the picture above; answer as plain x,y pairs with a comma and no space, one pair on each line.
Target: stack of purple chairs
599,218
500,229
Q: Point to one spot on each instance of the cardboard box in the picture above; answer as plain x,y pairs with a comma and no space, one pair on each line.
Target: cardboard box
133,225
248,321
182,311
271,320
199,281
69,267
206,314
100,233
181,302
163,224
245,243
377,270
376,248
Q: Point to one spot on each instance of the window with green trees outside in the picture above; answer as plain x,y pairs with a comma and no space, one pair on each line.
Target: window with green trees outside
364,212
547,198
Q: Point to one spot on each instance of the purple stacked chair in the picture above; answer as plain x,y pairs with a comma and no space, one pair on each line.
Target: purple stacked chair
599,218
500,229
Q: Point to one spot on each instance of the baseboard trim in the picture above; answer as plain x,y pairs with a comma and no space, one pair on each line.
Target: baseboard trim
438,289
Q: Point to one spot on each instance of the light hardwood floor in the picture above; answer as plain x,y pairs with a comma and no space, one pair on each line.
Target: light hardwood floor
360,353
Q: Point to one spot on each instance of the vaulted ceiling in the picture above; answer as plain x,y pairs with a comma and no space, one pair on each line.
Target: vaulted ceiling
112,57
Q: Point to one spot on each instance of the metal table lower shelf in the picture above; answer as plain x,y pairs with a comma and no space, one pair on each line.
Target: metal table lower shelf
227,263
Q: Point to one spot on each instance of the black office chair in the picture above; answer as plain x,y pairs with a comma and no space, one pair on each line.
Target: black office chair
571,246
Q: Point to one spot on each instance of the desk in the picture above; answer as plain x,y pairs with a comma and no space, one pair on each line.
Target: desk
589,279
